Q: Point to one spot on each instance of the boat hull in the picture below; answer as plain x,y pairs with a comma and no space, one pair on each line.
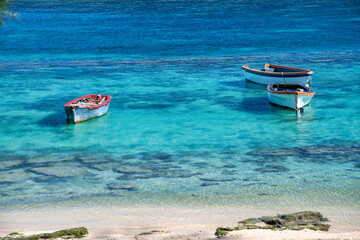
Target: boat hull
292,101
277,74
77,115
265,80
87,107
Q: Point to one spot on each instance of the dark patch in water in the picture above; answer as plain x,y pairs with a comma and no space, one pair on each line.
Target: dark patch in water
263,194
314,153
357,165
200,164
127,157
229,102
250,179
255,105
228,172
54,120
255,86
264,160
12,167
160,174
46,103
229,152
155,155
115,186
272,168
229,166
5,183
183,161
94,160
238,84
207,184
43,179
255,184
218,179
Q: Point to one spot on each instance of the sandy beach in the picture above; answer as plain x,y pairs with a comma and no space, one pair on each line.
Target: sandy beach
170,222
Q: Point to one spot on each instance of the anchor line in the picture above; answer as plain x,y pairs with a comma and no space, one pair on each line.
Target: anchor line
309,78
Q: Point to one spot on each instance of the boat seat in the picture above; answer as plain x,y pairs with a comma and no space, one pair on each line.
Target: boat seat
268,69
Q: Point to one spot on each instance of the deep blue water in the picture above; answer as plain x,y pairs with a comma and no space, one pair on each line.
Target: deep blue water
184,127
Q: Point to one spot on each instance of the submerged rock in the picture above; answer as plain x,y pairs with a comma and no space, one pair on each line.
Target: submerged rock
94,159
135,173
59,171
206,184
49,159
12,177
229,166
218,179
127,187
155,155
132,169
314,153
272,168
14,164
109,166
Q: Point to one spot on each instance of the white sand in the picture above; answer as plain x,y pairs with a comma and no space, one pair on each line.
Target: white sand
176,222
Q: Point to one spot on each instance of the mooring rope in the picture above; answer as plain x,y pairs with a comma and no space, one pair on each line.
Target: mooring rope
282,73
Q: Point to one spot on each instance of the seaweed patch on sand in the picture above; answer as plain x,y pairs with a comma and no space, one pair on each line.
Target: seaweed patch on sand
63,234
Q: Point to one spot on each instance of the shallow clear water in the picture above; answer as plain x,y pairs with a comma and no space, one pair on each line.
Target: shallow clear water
183,126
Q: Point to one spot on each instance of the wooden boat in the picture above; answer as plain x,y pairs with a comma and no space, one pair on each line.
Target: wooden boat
277,74
293,96
87,107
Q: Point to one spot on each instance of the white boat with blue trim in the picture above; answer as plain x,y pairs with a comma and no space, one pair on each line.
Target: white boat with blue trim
87,107
293,96
277,74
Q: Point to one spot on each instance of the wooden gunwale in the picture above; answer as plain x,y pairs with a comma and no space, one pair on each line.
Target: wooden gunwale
299,71
94,106
312,92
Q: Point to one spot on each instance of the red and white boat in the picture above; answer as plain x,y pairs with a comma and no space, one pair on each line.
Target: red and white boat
277,74
87,107
293,96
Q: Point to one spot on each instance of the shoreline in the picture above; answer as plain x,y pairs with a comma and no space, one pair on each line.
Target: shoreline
172,221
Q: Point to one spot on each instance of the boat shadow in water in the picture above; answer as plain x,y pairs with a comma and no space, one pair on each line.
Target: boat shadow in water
237,84
255,105
56,119
254,86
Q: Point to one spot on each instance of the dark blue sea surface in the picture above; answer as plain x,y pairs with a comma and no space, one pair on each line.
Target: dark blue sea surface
184,127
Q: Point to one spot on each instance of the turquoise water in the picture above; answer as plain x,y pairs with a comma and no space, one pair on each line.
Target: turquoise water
184,127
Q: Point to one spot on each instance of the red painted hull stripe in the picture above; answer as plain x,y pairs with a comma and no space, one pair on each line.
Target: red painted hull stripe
106,102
